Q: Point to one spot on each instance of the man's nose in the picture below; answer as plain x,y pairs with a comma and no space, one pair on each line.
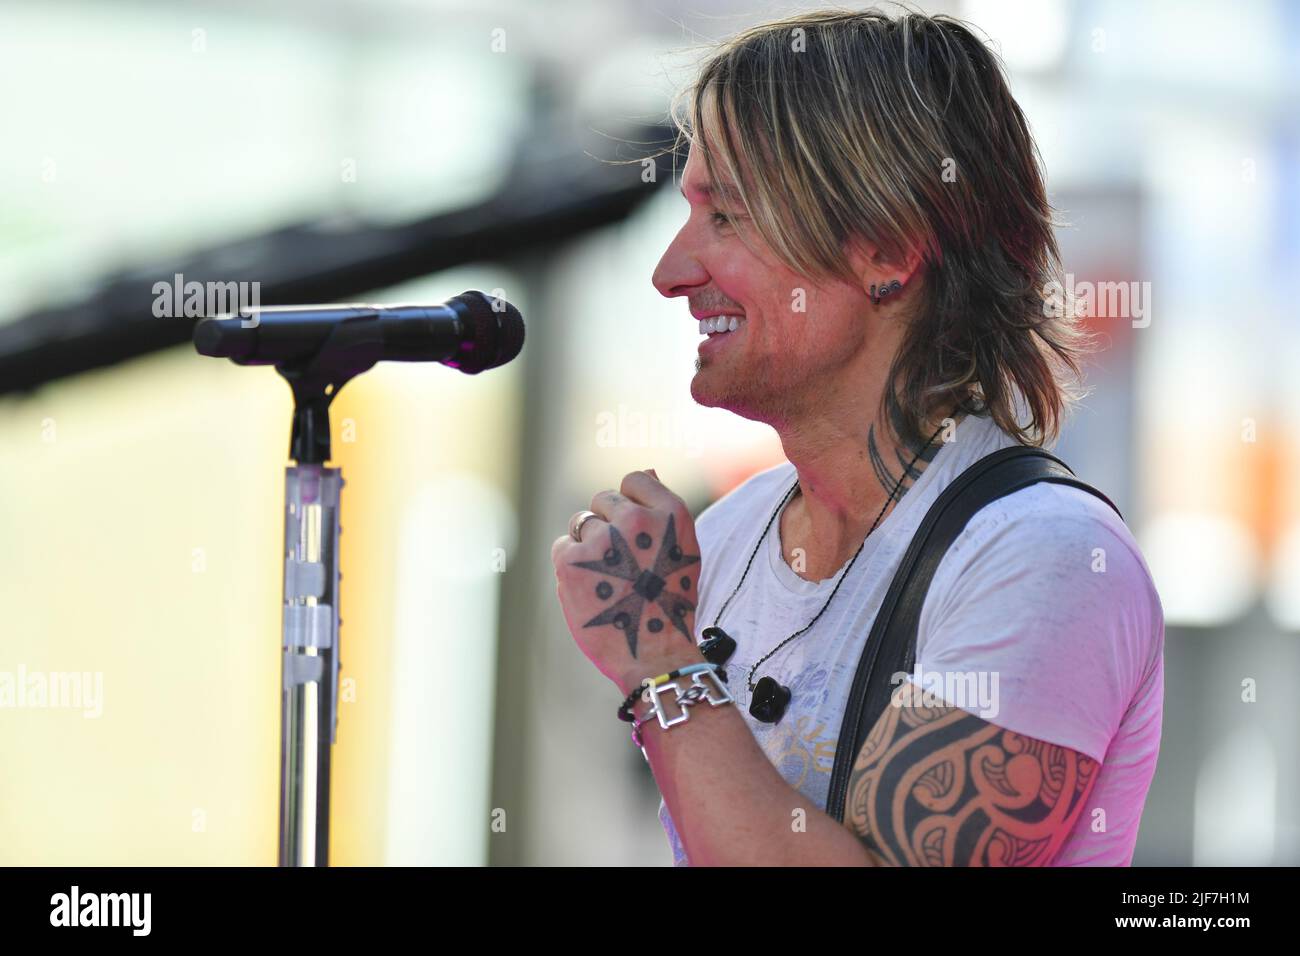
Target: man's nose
678,271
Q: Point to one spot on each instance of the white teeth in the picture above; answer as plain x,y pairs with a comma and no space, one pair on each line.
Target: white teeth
720,323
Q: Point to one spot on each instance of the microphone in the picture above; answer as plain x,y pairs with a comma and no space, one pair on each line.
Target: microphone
471,332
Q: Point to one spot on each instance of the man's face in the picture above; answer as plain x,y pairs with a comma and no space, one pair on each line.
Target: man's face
797,344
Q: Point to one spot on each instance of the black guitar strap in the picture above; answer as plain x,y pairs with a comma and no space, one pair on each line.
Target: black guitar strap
891,645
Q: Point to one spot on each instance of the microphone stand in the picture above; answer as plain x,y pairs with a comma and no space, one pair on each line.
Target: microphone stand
310,643
488,332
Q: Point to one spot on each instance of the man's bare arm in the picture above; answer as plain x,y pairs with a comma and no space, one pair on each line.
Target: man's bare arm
937,786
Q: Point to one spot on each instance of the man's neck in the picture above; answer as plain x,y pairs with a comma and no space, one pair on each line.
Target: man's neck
847,478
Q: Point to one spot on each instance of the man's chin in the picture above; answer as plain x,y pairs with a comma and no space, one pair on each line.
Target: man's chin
700,390
707,396
706,393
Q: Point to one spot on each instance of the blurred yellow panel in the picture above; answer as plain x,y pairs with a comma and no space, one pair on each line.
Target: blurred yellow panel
140,521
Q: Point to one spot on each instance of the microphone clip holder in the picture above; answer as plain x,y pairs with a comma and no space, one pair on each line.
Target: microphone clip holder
315,383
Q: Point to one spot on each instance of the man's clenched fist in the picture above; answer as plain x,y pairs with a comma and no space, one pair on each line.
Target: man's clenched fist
628,587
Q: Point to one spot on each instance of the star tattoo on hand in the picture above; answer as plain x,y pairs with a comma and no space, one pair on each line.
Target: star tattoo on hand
650,584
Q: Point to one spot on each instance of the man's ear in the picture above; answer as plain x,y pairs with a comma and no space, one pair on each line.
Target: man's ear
871,265
910,267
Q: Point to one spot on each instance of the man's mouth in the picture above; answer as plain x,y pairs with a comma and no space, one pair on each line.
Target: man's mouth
719,330
721,325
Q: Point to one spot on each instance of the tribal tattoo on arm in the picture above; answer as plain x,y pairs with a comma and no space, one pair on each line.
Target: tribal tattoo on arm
652,585
936,786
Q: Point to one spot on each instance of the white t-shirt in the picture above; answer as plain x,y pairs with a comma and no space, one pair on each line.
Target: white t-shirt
1045,588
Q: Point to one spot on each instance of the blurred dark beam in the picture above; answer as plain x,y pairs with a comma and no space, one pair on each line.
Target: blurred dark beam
558,189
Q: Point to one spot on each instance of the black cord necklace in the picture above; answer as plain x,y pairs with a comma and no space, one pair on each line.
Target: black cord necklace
769,698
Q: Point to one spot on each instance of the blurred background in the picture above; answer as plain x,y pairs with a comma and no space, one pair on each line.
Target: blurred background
409,150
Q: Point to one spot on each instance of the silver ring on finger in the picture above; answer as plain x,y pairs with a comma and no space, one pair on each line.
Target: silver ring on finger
576,523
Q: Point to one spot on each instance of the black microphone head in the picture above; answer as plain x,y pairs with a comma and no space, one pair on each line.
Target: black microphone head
496,332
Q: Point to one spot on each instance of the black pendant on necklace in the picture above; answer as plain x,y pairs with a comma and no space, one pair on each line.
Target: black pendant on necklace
770,701
770,698
717,647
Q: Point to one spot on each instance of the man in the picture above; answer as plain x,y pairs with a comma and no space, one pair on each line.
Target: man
869,223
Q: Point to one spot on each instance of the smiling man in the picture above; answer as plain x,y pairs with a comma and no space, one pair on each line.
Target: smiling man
865,250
